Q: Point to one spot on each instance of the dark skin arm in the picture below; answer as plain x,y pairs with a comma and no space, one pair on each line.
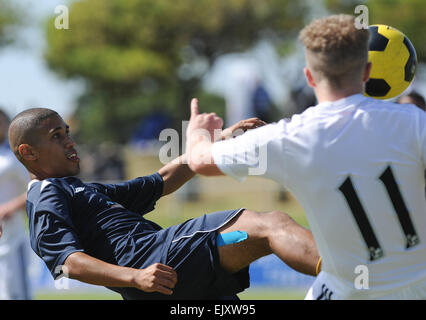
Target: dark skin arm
155,278
175,174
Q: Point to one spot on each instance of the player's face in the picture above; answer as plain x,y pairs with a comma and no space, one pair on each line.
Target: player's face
57,156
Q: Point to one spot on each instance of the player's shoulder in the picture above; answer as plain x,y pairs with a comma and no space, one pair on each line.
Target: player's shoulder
371,104
260,134
65,185
297,121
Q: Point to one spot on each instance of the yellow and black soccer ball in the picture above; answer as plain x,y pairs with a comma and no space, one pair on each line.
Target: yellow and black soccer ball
394,62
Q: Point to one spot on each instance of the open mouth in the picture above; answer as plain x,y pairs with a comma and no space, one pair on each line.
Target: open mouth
73,157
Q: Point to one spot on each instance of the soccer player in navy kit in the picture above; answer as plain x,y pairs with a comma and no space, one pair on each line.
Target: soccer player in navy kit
95,232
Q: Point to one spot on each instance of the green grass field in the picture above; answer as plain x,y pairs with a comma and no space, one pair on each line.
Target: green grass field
249,294
215,194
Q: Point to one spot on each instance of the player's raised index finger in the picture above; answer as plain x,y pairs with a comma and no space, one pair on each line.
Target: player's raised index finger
194,107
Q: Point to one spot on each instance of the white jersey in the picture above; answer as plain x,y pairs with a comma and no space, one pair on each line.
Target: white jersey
357,167
13,182
14,242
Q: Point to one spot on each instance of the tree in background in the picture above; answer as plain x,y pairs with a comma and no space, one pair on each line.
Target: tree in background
408,16
10,18
137,56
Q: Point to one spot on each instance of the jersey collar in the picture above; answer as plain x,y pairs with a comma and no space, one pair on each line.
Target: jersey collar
31,183
342,103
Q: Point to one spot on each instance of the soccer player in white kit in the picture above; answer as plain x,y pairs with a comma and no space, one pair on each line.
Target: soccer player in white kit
355,164
14,243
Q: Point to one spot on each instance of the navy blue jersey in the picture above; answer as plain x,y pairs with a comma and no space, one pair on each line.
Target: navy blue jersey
106,222
103,220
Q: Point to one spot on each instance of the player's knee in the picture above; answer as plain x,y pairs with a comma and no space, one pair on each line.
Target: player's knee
278,221
260,226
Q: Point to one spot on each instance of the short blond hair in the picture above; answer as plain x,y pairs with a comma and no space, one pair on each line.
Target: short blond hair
335,49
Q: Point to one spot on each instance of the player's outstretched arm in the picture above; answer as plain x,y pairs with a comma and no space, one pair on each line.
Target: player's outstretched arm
203,130
178,172
155,278
175,174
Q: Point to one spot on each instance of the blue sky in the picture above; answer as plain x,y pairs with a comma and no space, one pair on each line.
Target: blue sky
25,80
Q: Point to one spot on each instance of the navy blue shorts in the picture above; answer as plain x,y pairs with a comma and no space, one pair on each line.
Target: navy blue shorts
191,250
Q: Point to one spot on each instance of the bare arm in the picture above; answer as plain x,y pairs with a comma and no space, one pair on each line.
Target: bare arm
200,138
155,278
8,209
175,174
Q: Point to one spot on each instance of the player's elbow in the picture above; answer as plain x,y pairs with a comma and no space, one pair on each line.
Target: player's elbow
72,267
204,168
195,166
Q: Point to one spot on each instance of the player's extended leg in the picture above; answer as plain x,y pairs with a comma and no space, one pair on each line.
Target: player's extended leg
269,232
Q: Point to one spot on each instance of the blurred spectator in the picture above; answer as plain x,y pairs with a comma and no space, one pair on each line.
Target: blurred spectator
149,129
262,103
109,164
14,242
239,92
102,162
414,98
303,97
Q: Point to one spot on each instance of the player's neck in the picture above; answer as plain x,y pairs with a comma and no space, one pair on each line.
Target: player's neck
325,93
37,173
35,176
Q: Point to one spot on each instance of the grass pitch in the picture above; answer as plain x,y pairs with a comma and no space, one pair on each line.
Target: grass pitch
249,294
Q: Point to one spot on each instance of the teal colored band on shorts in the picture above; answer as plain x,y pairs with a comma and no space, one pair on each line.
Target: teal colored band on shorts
230,238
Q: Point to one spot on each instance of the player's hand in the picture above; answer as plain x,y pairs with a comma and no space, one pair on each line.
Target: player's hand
242,126
156,278
1,230
203,124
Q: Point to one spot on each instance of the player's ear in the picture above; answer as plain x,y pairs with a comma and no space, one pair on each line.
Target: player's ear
367,71
309,77
27,152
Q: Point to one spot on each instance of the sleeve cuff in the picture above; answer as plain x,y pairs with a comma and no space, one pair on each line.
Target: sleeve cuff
57,271
159,190
219,158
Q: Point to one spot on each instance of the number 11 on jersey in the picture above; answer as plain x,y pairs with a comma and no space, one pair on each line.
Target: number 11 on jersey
367,232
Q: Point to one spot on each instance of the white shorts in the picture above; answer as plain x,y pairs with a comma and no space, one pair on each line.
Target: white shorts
14,284
327,287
